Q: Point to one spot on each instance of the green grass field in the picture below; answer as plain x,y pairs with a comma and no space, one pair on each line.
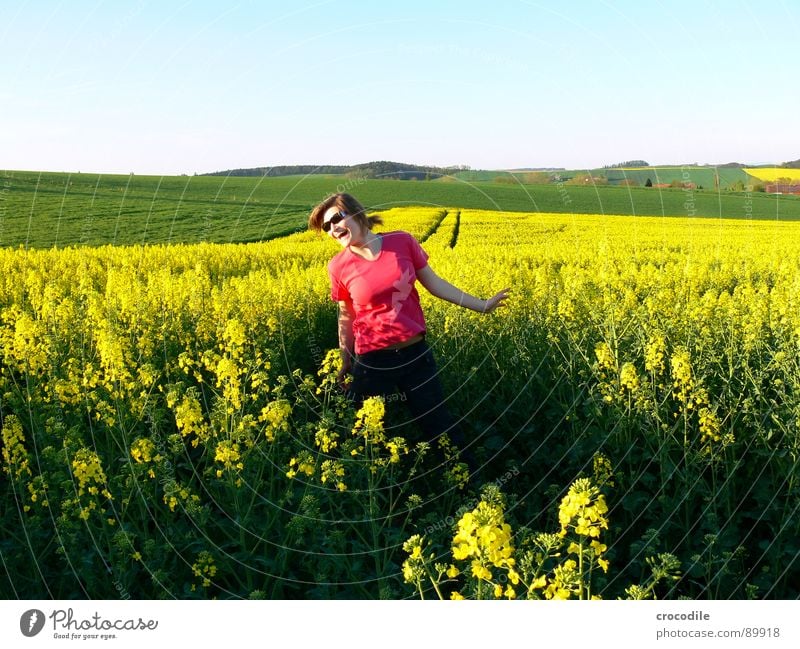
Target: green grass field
700,176
45,209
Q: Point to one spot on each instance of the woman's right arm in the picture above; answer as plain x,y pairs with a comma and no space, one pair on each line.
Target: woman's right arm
346,339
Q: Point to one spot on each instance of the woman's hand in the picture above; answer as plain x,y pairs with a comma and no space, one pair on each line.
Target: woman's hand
343,375
496,300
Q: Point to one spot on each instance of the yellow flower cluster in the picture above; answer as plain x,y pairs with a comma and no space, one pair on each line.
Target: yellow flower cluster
602,470
24,342
15,457
326,439
417,568
692,396
228,373
484,537
37,489
565,582
615,380
628,378
583,510
175,494
303,463
414,565
16,462
190,419
498,569
333,471
682,379
204,568
369,420
369,427
329,370
234,338
457,475
655,354
229,455
143,451
709,425
396,446
605,357
88,471
276,416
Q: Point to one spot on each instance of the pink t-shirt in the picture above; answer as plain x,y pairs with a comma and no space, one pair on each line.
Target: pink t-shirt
382,292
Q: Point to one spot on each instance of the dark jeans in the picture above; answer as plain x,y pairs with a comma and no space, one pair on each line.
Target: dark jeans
411,372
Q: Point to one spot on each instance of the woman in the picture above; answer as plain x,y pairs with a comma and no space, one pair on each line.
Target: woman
381,324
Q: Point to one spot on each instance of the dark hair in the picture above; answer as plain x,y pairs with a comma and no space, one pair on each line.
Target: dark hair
345,203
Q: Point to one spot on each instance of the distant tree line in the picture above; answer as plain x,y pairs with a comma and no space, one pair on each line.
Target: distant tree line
283,170
628,163
794,164
376,169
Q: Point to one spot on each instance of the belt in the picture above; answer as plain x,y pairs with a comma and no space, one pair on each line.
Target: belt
404,346
406,343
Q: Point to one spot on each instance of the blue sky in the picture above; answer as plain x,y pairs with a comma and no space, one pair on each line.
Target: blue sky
184,87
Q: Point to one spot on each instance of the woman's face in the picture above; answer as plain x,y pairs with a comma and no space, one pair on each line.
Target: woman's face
345,230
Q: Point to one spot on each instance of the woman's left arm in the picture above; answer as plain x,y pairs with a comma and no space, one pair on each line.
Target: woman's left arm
446,291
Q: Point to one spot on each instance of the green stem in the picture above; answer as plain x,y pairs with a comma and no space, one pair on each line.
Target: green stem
369,451
435,584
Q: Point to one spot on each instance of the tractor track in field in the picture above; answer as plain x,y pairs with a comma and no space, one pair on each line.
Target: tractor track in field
456,227
434,227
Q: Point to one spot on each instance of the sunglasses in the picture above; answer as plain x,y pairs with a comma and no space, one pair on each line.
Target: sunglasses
336,218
